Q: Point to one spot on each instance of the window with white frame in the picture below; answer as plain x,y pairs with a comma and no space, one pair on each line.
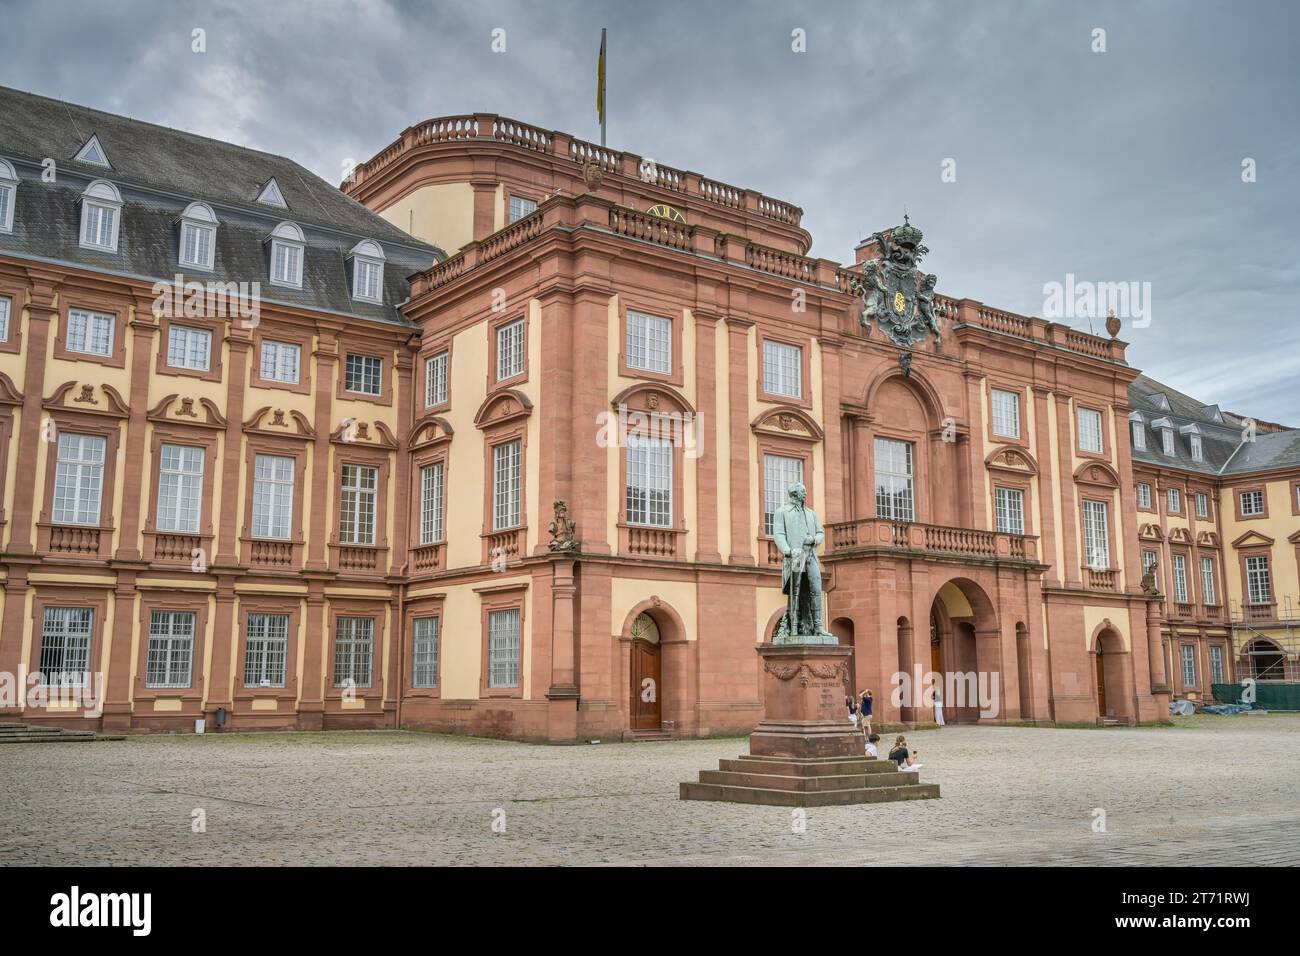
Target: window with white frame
8,195
521,207
894,480
1202,505
368,271
90,333
1175,501
1167,441
1207,581
779,473
503,647
1090,430
782,369
1189,665
273,497
280,361
287,246
1144,495
1138,428
507,459
364,374
78,479
649,481
266,649
180,488
189,348
360,484
6,307
101,207
431,502
1180,578
1096,535
1252,502
1006,413
1197,454
1216,663
198,236
171,649
510,350
1010,509
649,342
435,379
354,649
424,652
65,646
1259,581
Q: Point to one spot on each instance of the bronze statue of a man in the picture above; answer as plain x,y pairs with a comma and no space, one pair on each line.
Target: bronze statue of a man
798,533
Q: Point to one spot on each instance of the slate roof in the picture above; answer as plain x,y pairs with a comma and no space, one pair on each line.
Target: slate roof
1223,450
159,171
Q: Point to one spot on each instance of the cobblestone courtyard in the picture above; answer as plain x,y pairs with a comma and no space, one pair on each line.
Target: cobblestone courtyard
1211,790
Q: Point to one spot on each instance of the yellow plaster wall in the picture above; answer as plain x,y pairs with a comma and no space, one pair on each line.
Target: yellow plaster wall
442,214
1093,615
462,639
681,596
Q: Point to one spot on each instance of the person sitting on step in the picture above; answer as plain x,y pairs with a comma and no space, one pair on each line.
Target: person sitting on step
873,746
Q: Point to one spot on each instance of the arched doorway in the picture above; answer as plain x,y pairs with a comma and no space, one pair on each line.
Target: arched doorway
1112,680
645,706
1264,660
964,652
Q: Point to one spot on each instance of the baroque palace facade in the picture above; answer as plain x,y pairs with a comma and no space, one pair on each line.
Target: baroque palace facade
503,491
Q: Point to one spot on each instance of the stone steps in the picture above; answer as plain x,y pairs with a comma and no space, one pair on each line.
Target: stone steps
793,798
816,782
39,734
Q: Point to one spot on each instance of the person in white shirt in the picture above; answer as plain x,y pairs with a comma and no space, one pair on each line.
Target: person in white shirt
873,746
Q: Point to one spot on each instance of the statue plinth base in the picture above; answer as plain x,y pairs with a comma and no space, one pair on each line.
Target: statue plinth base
804,752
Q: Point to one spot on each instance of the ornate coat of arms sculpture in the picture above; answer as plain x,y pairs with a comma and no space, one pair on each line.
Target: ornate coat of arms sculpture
894,293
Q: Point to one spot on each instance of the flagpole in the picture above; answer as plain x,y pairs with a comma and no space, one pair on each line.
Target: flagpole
604,106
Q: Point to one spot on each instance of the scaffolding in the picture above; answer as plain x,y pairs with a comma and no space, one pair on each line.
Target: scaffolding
1266,639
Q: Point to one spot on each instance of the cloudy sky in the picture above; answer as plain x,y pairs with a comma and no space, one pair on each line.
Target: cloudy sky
1117,166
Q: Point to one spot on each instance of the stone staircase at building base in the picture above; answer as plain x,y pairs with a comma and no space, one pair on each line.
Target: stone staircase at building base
11,733
807,782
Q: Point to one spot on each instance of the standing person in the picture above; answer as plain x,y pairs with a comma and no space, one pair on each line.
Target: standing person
864,711
853,709
938,706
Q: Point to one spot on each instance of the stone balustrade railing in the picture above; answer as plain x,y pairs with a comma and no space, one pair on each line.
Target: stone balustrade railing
880,533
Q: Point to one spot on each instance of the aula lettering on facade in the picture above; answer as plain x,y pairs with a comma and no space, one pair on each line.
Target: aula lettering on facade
76,909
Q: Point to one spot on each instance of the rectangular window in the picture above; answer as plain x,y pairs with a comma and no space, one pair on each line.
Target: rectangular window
367,279
503,648
1144,495
6,207
1202,505
649,481
189,348
1189,665
1010,510
65,646
90,332
266,650
1197,454
354,646
520,207
782,369
280,362
649,342
435,379
1175,501
894,478
1006,413
1090,430
1207,580
1216,664
510,350
180,488
171,649
6,305
196,245
1096,535
1259,582
506,461
1252,502
431,503
360,484
424,652
1167,441
78,479
98,226
364,374
273,497
1139,436
286,263
779,473
1180,578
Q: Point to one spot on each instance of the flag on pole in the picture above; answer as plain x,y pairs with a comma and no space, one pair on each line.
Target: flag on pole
600,87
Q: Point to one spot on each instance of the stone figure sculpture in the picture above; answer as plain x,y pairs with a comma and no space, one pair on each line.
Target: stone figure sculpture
798,534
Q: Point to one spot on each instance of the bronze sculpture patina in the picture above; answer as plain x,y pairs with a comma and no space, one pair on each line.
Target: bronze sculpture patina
893,291
797,534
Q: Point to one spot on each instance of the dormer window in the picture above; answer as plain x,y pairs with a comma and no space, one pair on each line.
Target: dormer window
198,236
1160,401
93,153
270,194
1137,425
287,246
101,206
8,196
1166,429
367,271
1194,440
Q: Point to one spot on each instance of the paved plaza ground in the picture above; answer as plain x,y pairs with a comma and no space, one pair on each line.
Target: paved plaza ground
1222,790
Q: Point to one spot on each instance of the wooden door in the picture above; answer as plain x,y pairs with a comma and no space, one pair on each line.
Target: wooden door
645,684
1101,684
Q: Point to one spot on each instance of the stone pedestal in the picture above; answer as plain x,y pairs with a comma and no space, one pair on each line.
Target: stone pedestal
804,752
